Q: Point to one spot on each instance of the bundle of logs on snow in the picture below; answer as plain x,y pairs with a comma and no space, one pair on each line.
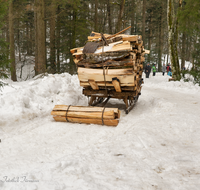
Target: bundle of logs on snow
108,61
88,115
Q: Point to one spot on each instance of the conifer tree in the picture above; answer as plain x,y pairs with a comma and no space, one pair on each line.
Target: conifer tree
190,26
4,61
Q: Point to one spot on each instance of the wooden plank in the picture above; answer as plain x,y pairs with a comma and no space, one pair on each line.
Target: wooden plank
130,38
111,93
108,84
88,71
92,115
126,88
108,122
119,47
93,84
124,79
116,84
85,109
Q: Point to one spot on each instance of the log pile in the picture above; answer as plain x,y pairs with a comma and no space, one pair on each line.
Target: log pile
112,62
88,115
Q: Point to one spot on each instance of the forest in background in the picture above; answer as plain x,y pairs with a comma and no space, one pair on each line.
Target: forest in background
46,30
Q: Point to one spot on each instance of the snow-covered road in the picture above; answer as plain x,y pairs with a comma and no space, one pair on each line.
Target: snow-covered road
155,147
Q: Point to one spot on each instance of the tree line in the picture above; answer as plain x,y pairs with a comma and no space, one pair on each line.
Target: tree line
48,29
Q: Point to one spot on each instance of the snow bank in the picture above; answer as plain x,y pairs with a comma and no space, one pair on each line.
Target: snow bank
162,82
36,98
156,146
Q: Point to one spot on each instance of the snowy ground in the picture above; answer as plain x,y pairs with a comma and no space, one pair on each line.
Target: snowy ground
155,147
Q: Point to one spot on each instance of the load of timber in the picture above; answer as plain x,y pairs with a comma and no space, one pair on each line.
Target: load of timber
87,115
112,62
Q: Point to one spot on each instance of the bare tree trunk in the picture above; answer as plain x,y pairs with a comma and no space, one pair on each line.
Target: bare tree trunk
58,41
172,40
183,51
150,36
133,17
96,16
143,20
18,41
109,17
121,12
52,37
27,38
160,41
73,42
36,40
12,45
40,33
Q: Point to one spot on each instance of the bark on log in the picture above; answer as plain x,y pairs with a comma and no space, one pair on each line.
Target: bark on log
102,57
109,63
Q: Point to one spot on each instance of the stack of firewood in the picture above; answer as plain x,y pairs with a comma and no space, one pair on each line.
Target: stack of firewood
88,115
111,61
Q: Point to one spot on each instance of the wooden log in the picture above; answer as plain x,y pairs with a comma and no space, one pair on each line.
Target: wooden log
101,57
116,84
130,38
108,122
111,63
118,46
125,46
81,114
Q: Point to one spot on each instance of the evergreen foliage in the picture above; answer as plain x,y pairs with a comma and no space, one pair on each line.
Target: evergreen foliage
4,61
189,18
73,20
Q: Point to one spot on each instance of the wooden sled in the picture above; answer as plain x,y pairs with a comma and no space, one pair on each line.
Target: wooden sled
101,97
